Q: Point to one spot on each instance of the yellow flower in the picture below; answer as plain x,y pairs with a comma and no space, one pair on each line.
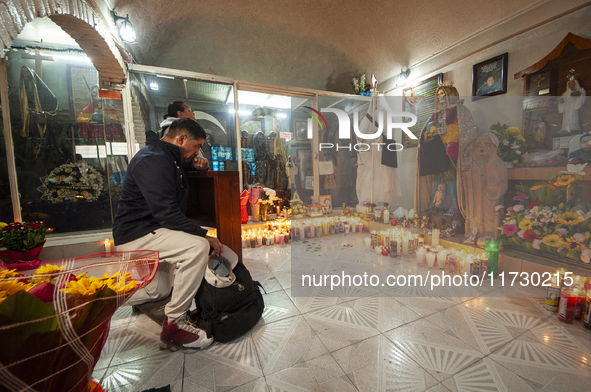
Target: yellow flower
536,187
46,273
6,274
573,245
564,180
84,286
513,130
9,287
561,206
515,162
525,224
520,138
569,218
3,225
123,288
553,240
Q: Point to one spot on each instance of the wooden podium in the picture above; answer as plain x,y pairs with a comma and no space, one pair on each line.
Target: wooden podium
214,201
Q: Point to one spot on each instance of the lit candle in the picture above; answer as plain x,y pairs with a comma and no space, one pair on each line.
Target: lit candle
360,227
347,228
324,228
420,255
277,237
108,245
453,264
281,239
430,259
435,237
367,243
271,239
405,246
566,308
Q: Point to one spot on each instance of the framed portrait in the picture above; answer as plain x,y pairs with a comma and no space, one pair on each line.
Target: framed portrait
81,79
309,182
420,100
305,166
326,203
490,77
300,129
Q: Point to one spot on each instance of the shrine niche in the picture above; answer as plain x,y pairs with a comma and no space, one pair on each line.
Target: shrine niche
555,108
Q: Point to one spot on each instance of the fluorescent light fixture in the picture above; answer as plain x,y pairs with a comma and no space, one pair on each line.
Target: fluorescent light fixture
83,59
281,115
252,98
154,86
240,112
165,76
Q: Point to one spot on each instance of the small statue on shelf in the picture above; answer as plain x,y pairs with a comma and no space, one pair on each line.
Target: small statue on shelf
570,103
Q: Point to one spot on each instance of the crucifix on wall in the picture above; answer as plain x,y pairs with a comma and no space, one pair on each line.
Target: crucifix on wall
538,80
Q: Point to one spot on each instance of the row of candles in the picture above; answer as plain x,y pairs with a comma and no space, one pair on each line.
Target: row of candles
281,232
397,241
570,296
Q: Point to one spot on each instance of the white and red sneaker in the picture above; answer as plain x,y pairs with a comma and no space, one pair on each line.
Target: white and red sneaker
183,334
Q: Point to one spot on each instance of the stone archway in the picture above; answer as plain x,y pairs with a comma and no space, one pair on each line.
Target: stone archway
76,18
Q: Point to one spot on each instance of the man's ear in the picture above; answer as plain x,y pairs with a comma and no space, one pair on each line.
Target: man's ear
182,138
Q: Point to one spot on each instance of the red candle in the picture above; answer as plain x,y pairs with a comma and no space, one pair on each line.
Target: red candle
566,308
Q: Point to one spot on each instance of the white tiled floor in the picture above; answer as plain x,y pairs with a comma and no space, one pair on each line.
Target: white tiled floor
359,341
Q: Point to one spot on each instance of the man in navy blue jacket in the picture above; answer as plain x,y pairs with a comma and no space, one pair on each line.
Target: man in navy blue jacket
151,215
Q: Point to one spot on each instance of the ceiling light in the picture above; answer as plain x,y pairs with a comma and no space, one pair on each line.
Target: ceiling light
154,86
126,30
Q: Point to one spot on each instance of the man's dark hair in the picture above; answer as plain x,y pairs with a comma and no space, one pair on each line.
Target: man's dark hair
187,126
173,108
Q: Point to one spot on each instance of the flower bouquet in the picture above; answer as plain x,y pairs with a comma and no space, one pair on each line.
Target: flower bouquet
267,200
23,241
512,145
361,87
55,320
547,218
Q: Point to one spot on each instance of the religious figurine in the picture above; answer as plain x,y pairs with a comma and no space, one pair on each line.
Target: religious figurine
484,180
291,170
259,143
261,172
99,120
540,134
439,195
570,103
441,143
585,148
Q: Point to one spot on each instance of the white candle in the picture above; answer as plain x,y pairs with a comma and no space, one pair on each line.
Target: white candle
260,240
108,248
276,237
405,246
435,237
421,255
367,243
430,260
270,239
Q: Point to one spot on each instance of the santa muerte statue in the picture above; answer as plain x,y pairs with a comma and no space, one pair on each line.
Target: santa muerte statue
443,144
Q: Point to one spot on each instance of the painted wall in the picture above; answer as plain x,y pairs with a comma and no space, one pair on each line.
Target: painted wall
524,50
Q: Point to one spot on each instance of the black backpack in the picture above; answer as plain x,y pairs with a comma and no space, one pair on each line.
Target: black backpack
228,313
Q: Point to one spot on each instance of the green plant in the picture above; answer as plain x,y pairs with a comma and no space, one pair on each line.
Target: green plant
22,237
512,145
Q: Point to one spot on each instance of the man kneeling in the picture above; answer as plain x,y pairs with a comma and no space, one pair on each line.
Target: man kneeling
151,215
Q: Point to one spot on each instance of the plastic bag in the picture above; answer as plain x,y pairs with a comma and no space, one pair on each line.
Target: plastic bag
547,158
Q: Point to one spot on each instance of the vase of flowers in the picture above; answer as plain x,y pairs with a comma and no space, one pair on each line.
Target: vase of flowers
512,145
546,219
361,87
23,241
267,199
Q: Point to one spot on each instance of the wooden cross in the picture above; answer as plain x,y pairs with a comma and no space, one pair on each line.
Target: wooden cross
538,80
39,58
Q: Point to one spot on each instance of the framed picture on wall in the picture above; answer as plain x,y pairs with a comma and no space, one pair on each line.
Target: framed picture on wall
300,128
326,203
490,77
420,100
305,166
80,82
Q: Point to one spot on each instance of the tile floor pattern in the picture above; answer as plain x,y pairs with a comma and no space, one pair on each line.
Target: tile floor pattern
354,342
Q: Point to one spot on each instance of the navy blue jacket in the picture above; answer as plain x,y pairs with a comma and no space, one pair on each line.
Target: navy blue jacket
154,195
